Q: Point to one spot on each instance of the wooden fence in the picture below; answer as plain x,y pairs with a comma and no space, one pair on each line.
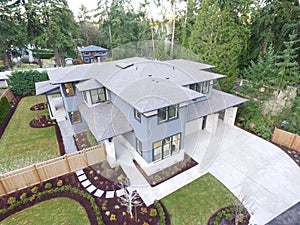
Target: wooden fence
34,174
286,139
8,93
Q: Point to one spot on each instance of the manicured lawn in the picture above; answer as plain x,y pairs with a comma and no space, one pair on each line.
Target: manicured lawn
22,145
195,203
55,211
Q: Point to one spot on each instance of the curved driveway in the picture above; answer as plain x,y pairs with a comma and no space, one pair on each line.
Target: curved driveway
256,171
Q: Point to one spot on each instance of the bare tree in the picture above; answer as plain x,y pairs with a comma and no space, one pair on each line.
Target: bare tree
130,198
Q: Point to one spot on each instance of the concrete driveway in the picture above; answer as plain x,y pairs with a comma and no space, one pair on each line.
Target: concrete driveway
256,171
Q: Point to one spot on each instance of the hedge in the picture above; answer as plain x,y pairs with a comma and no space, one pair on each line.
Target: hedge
23,82
4,108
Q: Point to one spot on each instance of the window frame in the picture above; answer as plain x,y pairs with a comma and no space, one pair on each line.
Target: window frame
66,88
139,146
162,146
137,115
201,87
99,99
167,110
71,116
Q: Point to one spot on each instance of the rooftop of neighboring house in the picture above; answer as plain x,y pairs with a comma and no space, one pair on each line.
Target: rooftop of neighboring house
93,48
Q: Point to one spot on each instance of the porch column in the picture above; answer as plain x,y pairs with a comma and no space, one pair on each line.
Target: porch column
212,123
230,114
110,152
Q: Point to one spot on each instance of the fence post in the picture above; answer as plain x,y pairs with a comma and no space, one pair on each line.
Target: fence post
293,140
68,164
86,158
2,186
36,172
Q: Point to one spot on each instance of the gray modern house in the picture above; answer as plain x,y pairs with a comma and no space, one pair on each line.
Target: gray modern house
150,105
93,53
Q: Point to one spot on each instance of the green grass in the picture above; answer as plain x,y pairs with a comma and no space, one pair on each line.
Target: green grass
55,211
195,203
22,145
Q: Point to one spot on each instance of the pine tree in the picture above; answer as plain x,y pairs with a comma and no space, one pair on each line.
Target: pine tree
288,67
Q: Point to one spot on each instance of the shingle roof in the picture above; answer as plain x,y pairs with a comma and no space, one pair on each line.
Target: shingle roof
92,48
44,87
148,94
133,82
105,120
218,101
88,85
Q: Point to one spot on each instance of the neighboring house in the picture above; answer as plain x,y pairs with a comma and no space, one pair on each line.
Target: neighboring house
149,105
3,79
92,54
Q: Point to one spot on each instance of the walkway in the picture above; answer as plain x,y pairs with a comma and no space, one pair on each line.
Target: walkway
67,135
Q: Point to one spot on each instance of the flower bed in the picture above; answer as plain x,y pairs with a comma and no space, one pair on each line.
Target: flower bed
168,172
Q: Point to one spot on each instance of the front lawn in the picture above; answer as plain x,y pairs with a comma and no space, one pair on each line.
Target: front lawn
195,203
22,145
54,211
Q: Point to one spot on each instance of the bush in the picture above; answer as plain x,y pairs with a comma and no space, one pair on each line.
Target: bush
161,213
11,200
4,108
153,212
23,82
34,190
48,185
23,196
59,183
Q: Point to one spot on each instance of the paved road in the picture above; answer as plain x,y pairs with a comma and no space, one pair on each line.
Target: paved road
256,171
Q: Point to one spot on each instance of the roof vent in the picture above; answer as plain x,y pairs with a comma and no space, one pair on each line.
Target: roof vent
167,78
124,65
149,75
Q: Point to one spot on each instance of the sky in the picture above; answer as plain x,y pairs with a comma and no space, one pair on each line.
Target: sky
75,5
153,12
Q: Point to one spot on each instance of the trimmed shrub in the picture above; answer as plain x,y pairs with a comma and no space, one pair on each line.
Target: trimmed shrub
59,183
23,82
34,190
4,108
48,185
161,212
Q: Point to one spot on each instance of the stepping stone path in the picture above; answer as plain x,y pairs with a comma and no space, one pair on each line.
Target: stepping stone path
87,184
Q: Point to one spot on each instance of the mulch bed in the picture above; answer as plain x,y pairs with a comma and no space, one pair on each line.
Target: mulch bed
41,122
5,122
81,141
107,206
104,177
168,172
219,217
69,179
39,106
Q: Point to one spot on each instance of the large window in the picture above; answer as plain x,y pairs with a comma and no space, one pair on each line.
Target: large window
202,87
167,113
139,146
98,95
75,117
69,89
166,147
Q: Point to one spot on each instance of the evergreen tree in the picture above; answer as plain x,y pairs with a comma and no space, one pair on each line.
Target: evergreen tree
288,67
215,38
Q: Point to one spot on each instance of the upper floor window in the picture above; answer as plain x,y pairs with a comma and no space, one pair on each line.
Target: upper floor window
69,89
98,95
75,117
202,87
167,113
137,115
86,53
139,146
